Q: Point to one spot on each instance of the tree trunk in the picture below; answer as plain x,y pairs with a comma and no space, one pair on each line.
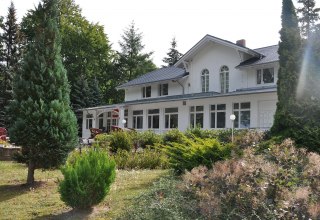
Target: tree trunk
31,168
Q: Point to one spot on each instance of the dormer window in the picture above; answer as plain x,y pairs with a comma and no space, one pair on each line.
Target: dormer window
224,79
163,89
146,92
265,76
205,80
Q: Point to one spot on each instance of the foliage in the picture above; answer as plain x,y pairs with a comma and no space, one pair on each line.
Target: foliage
165,200
87,179
144,159
309,15
120,140
278,184
44,124
196,152
174,136
103,140
173,55
147,138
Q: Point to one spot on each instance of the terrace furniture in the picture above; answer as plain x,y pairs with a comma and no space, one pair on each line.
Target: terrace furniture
3,134
94,132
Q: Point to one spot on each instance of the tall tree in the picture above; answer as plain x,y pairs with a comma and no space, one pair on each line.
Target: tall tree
133,62
44,124
2,76
289,59
309,15
173,55
11,41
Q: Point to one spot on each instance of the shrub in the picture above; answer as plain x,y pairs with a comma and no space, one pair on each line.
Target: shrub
148,138
282,183
144,159
164,200
196,152
87,178
121,140
174,136
103,140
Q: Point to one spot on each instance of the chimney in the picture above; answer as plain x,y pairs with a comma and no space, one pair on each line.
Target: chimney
241,42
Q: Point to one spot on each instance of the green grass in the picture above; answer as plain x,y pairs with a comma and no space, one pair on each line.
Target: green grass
43,201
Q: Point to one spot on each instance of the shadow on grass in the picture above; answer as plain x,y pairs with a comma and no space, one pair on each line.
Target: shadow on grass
10,191
72,214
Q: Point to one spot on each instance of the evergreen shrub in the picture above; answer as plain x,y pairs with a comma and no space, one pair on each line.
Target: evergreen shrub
174,135
103,140
149,138
121,140
87,178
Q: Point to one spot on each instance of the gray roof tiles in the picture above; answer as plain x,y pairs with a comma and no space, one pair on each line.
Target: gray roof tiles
270,54
163,74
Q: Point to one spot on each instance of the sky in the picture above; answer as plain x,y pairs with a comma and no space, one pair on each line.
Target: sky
256,21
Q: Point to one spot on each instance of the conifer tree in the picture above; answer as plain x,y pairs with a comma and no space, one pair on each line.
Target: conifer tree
173,54
309,15
2,76
44,124
288,75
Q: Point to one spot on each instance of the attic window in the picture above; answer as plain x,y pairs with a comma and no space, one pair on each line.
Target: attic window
146,92
265,76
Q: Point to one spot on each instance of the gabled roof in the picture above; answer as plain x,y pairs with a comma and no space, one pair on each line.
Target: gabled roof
163,74
270,55
210,38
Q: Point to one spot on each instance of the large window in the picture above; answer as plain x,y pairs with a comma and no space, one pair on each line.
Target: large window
242,113
196,116
265,76
218,116
101,121
146,92
89,121
224,79
137,119
171,118
205,80
163,89
153,118
126,118
112,119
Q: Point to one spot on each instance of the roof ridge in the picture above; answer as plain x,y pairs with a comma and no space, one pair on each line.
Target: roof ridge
265,47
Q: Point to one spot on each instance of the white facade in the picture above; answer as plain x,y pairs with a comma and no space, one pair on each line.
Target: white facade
249,91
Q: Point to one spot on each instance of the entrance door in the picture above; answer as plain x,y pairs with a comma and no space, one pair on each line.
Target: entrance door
267,110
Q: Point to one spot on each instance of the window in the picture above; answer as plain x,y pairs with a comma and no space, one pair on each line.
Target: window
218,116
126,118
196,116
163,89
153,118
224,79
146,92
242,113
89,121
265,76
171,118
137,119
101,121
112,119
205,80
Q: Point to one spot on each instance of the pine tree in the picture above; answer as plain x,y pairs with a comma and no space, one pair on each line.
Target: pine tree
309,15
2,76
173,55
289,59
44,124
133,61
11,42
95,93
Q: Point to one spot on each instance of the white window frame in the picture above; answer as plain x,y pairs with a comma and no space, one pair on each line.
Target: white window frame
238,112
135,117
151,114
216,111
260,76
205,80
162,91
169,115
224,79
195,110
89,121
100,119
145,92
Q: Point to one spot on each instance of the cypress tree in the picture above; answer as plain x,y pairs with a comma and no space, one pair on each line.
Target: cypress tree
2,76
308,16
44,124
173,54
288,75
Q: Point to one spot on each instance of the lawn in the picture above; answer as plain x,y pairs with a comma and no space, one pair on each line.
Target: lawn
43,201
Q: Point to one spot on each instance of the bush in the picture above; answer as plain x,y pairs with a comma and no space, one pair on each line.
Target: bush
103,140
196,152
282,183
165,200
121,140
144,159
148,138
87,178
174,136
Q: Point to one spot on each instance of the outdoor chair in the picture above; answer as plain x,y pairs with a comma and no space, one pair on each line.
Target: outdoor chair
3,134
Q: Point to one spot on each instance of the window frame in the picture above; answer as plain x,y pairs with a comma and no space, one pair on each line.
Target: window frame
146,92
260,78
215,111
205,80
137,114
161,89
89,121
169,115
193,113
239,113
224,79
151,116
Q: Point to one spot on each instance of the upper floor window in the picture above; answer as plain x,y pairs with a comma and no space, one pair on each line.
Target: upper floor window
146,92
163,89
224,79
205,80
265,76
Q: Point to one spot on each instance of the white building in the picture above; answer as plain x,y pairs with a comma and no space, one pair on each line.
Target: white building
214,79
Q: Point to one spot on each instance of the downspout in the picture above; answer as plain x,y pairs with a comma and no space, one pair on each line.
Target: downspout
180,85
